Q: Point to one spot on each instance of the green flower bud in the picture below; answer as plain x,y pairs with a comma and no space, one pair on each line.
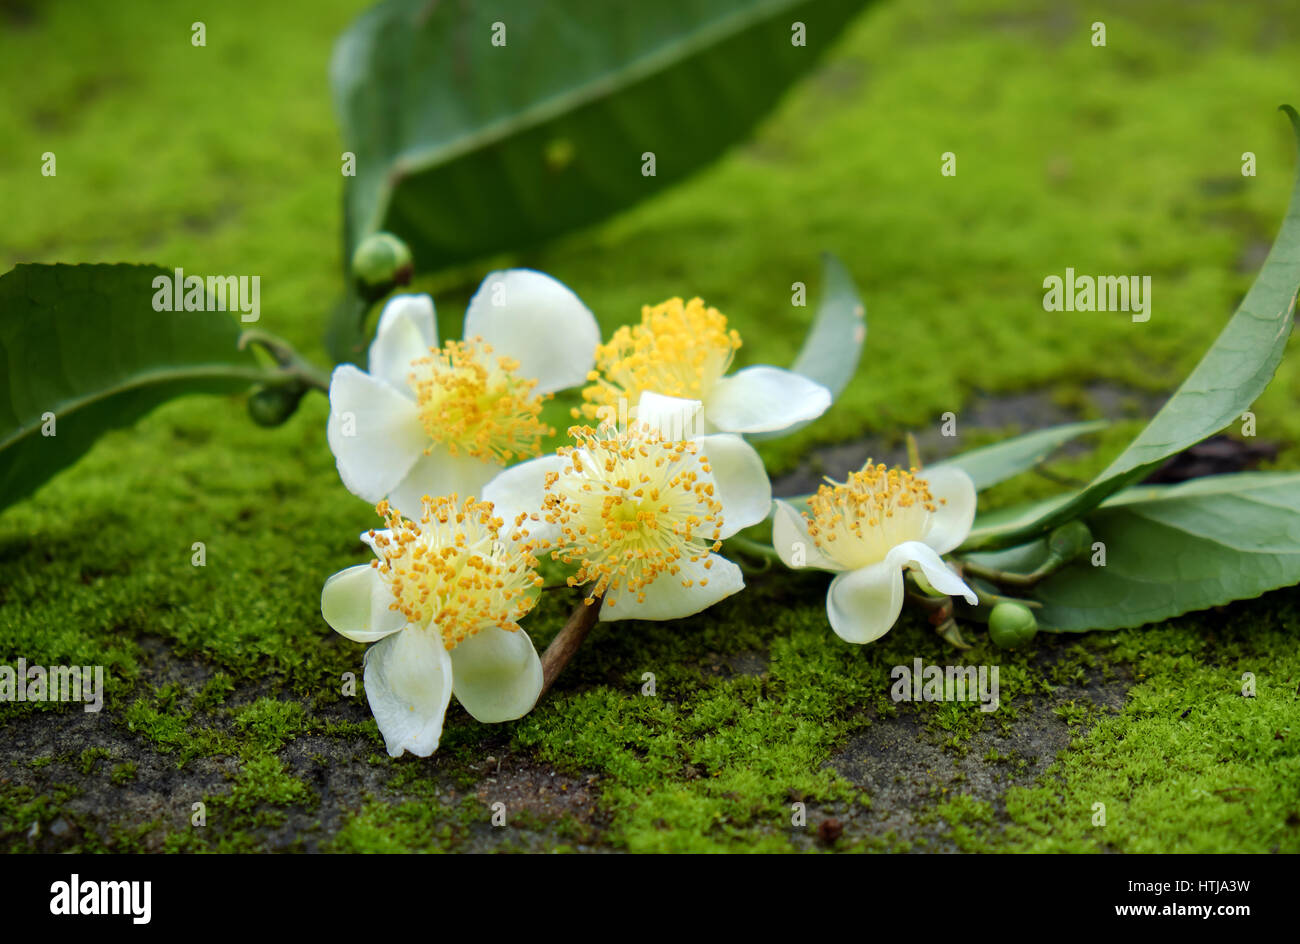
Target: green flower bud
1070,542
381,262
1011,625
271,406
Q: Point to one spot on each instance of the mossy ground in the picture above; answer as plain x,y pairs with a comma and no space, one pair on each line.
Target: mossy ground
225,686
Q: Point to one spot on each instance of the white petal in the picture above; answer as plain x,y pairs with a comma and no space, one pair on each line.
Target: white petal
740,479
438,474
667,599
407,329
520,489
862,605
764,399
373,431
408,685
497,673
371,541
951,523
937,573
355,602
539,322
793,543
672,418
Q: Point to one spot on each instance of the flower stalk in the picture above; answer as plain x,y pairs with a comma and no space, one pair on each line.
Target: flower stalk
566,643
293,366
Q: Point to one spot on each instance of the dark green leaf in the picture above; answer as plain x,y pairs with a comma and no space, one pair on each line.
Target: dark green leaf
465,148
997,463
1172,549
833,345
85,344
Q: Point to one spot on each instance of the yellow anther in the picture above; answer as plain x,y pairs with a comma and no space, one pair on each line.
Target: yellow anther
475,405
679,350
450,573
859,521
623,538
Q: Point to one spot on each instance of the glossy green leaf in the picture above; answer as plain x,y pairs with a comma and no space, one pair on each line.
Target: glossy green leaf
84,352
483,127
990,465
833,345
1172,549
1222,386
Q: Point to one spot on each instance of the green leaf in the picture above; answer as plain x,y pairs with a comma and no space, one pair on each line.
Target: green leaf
990,526
1173,549
997,463
833,345
84,343
465,147
1221,387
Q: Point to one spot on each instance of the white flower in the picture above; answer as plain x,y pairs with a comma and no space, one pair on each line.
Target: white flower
867,530
441,605
641,515
684,350
436,421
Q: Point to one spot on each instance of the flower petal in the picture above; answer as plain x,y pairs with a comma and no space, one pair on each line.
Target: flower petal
407,329
764,399
355,602
937,573
497,674
667,599
370,541
521,489
539,322
437,474
408,684
955,492
862,605
672,418
373,431
742,483
793,543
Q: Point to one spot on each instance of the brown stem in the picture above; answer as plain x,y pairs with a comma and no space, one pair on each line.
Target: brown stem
566,643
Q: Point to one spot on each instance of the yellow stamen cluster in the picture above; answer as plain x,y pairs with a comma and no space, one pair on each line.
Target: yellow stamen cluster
630,507
449,571
678,350
475,405
859,521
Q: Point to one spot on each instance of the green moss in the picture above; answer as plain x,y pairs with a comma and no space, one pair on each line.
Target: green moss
168,727
268,723
91,756
415,826
1190,764
214,692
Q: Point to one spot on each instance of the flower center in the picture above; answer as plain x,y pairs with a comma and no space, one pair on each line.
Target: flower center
678,350
858,522
630,507
451,573
474,405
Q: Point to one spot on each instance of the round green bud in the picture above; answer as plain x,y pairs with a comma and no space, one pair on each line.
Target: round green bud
1070,541
1011,625
381,262
271,406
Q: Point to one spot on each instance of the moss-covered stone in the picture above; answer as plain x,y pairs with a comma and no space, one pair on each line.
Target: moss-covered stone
226,689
